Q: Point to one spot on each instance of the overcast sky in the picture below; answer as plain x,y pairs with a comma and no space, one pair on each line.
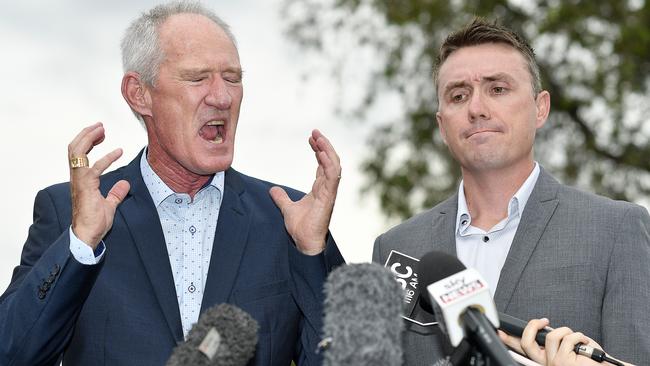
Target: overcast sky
61,70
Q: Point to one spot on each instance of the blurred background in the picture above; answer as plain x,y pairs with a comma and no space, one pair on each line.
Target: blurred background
360,71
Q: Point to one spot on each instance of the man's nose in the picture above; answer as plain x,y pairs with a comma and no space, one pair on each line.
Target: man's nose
478,109
219,95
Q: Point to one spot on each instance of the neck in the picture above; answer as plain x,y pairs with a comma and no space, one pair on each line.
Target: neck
175,176
488,193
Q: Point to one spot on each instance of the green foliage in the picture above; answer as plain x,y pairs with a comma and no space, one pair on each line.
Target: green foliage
594,58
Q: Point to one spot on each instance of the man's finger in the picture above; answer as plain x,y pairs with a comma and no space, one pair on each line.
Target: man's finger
323,144
553,340
84,142
325,155
568,344
528,343
331,167
533,326
82,133
280,198
102,164
511,341
312,143
116,195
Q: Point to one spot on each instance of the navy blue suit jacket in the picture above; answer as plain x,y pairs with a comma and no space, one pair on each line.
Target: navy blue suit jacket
124,311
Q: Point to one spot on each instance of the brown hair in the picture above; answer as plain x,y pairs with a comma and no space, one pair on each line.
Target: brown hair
480,31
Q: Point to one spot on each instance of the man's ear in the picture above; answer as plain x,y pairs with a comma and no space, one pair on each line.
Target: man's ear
441,128
543,104
136,93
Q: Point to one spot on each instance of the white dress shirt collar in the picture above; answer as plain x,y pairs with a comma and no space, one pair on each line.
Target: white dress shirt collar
516,204
159,190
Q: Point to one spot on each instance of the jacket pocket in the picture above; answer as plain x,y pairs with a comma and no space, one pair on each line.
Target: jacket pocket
250,294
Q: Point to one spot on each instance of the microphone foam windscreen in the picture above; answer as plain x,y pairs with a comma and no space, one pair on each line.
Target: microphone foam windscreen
443,362
433,267
363,308
235,343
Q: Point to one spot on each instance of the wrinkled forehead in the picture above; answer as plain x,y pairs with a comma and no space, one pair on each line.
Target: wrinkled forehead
475,63
190,34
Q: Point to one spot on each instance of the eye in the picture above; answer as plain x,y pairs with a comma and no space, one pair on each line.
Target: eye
498,90
232,79
458,97
197,79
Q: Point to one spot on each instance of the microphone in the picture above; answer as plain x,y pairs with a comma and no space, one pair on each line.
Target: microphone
515,326
461,297
225,335
363,324
404,268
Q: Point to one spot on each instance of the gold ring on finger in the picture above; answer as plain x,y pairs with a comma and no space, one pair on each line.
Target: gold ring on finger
79,162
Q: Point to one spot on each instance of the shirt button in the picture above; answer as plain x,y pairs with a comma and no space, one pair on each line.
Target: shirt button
192,229
178,201
464,222
486,239
191,288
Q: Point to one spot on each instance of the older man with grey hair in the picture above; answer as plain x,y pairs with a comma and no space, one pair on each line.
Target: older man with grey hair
117,267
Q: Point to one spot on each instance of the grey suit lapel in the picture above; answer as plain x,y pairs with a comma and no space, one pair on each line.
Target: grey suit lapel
537,213
443,234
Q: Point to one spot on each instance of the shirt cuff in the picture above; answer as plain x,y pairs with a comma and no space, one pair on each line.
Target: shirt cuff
83,253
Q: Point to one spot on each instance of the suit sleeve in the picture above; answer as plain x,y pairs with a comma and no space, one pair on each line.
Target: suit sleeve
625,316
309,274
47,291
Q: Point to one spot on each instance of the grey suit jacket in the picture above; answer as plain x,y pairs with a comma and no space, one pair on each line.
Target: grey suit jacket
581,260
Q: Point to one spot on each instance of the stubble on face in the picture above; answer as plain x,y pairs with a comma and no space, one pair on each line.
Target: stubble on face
487,113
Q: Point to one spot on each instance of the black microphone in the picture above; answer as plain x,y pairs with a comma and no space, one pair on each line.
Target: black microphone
363,324
515,326
461,297
405,270
225,335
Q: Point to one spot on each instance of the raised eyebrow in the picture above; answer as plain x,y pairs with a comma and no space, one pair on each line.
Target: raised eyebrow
499,77
455,84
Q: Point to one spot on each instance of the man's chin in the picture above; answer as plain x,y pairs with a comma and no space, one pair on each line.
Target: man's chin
214,166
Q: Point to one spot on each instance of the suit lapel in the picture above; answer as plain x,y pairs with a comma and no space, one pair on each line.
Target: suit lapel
229,242
443,234
442,238
140,215
536,215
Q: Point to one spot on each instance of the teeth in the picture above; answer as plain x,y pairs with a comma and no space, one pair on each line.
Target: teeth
217,139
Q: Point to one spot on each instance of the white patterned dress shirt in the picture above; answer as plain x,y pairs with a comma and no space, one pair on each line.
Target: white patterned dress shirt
189,227
486,251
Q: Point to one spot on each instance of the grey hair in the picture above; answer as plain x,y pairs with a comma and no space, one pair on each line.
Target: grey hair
141,50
